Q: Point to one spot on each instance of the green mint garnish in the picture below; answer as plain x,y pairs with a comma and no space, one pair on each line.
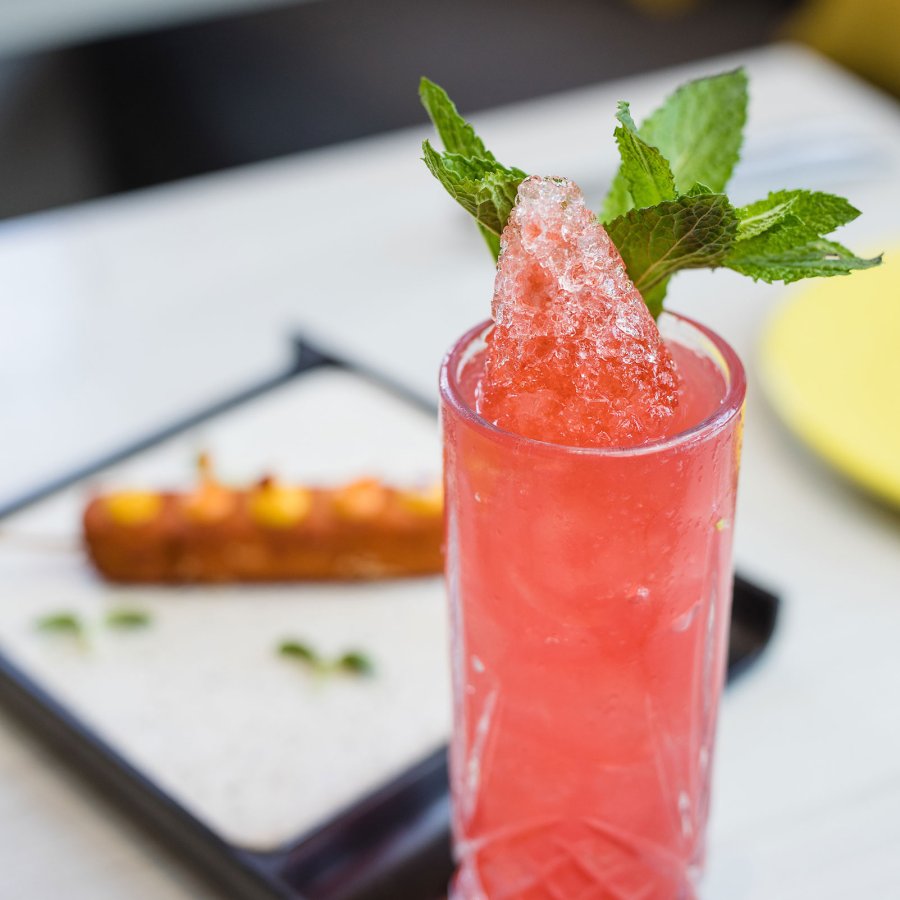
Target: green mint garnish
646,176
781,238
60,623
692,232
356,663
127,618
484,188
457,134
699,130
666,209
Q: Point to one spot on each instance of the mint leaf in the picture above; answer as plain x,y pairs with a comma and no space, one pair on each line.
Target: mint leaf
809,215
457,135
699,130
644,168
470,173
813,259
483,187
757,218
665,209
693,232
782,238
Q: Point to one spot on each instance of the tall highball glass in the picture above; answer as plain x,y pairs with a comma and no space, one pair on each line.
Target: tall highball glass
590,594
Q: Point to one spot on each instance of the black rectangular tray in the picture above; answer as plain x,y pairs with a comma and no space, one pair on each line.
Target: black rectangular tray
393,844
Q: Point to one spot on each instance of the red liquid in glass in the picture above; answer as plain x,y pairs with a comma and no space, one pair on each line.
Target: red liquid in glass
590,595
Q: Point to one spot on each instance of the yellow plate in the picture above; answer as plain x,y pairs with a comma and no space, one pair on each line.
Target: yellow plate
831,367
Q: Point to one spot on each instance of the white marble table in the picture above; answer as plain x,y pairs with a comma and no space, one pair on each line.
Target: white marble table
116,315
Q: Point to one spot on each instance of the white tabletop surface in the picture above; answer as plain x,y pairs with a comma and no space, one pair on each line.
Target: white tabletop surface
118,314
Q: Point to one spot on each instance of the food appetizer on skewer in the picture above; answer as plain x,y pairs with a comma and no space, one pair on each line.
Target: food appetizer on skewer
269,532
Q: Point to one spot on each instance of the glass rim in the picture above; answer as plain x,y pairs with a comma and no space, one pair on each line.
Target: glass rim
729,407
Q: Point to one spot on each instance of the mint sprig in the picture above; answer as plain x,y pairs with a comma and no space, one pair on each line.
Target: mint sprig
645,171
782,238
699,130
690,232
757,218
815,259
666,209
471,174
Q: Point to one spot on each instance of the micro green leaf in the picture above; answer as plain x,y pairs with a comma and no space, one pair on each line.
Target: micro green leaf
355,662
127,618
300,651
352,662
60,623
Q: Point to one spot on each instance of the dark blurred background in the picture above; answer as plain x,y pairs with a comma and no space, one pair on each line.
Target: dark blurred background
103,96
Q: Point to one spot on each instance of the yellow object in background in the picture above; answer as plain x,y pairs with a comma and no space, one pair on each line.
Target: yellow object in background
831,367
859,34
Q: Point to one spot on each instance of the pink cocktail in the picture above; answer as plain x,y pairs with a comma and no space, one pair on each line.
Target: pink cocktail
590,591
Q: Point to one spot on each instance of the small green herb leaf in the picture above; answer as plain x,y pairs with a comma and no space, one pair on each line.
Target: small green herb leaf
300,651
644,168
356,663
819,258
482,187
127,618
757,218
457,135
60,623
699,130
469,172
692,232
782,238
791,219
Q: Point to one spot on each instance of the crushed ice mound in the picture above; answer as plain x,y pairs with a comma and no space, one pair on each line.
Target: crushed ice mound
575,356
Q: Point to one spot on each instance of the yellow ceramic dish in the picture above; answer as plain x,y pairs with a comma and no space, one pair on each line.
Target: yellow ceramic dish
831,367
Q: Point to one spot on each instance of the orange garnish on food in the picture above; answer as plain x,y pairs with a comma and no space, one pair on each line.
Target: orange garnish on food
133,507
427,502
361,500
276,506
210,501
